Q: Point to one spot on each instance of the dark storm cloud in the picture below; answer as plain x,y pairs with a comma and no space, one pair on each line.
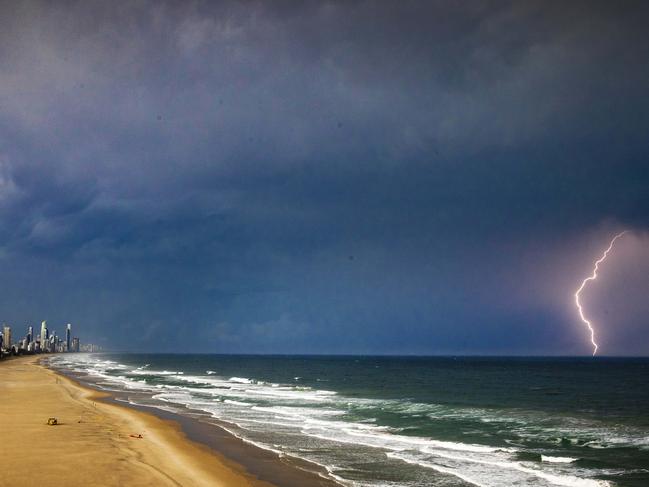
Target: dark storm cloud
320,177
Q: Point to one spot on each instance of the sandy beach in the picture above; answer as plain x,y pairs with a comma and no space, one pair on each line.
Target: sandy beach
95,443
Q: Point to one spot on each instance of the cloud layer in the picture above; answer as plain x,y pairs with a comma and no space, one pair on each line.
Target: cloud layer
321,177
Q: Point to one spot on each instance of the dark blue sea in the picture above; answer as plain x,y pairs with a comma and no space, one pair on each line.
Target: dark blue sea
410,421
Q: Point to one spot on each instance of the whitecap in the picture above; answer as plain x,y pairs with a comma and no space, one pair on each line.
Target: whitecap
548,458
240,380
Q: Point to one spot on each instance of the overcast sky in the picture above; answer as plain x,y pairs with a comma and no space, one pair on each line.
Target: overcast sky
324,177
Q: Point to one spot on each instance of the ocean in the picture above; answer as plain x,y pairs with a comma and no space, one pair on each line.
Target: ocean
409,421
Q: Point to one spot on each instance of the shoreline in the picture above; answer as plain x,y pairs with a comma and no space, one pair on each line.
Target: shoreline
265,466
96,441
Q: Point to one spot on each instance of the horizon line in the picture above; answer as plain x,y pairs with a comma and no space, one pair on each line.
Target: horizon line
445,355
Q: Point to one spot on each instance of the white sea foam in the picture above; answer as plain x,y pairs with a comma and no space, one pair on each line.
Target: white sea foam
292,394
154,406
439,468
156,372
240,380
238,403
488,473
263,446
301,413
551,459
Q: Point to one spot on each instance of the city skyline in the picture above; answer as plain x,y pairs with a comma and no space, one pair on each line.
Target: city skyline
44,342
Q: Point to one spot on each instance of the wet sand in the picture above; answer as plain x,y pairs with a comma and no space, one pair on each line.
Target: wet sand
93,444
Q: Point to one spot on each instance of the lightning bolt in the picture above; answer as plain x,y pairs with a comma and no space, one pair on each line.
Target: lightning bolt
592,277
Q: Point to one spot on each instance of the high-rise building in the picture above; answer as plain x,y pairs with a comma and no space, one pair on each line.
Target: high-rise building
6,331
44,336
68,337
75,344
30,334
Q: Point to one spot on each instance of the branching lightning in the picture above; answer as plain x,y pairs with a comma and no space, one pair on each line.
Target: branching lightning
592,277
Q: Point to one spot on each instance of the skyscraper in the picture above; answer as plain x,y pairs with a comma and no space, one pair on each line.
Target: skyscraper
30,334
44,336
6,331
68,338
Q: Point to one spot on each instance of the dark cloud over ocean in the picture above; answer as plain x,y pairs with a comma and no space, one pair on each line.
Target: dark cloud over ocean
320,177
